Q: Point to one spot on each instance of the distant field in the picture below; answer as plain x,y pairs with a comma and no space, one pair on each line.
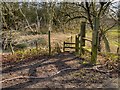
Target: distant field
113,39
112,36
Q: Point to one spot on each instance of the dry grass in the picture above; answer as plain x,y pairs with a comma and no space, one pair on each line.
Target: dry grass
55,37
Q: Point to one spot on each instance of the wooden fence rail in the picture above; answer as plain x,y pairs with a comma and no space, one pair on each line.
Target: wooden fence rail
68,43
87,39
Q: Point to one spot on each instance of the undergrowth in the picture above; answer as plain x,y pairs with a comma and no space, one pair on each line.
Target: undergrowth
24,54
21,55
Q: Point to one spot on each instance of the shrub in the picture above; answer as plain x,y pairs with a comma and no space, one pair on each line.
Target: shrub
44,31
22,55
21,46
41,41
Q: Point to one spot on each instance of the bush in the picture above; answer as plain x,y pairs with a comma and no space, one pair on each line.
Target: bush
22,55
21,46
41,41
44,31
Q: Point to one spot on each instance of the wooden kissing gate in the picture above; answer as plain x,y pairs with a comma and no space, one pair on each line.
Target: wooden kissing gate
80,39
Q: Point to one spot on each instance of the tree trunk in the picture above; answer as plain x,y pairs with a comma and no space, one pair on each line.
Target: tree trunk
99,41
26,19
38,21
95,41
107,46
11,48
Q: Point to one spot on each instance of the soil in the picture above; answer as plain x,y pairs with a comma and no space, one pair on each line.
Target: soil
44,68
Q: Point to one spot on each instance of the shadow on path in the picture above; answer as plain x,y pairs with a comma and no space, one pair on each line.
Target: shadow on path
59,64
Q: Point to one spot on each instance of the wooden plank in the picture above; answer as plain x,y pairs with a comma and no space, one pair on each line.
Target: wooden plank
69,43
70,47
87,39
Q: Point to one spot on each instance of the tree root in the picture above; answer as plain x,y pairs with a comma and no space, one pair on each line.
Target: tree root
98,70
33,77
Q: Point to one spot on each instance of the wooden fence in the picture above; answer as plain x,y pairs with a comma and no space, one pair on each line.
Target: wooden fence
80,41
79,44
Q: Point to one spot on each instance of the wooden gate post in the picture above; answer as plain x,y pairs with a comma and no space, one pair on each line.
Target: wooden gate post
76,44
63,46
71,40
49,43
82,40
36,43
95,41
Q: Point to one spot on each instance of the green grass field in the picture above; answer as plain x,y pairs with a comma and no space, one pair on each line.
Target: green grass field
112,36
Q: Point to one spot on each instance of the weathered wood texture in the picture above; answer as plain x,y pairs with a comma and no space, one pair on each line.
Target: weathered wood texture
82,36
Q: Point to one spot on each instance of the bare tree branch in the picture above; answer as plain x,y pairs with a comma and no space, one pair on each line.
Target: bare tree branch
25,19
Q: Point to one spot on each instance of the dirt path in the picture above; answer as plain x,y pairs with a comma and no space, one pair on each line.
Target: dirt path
44,67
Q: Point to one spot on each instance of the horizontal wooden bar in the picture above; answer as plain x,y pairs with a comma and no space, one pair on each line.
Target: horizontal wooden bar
87,39
70,47
68,43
